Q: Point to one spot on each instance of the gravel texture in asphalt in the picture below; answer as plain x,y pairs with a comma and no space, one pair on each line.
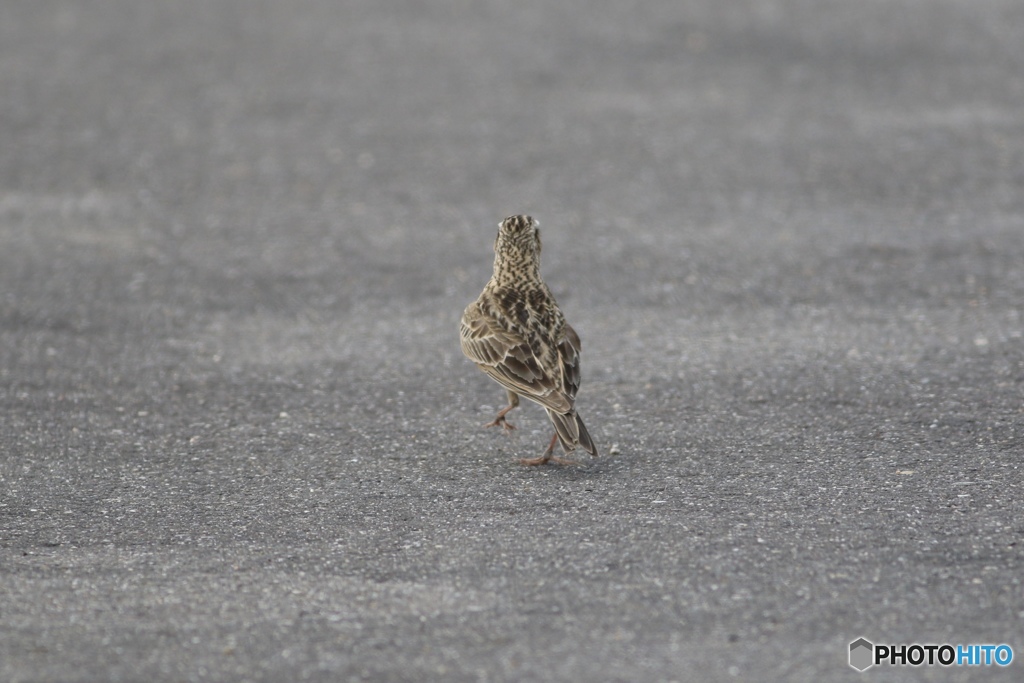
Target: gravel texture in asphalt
238,440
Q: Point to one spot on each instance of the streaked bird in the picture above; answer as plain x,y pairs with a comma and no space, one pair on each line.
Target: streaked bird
516,334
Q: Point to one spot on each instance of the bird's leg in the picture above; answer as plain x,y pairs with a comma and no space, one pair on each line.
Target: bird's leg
544,458
547,457
513,401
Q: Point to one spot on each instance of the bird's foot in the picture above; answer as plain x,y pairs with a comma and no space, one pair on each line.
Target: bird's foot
500,420
545,459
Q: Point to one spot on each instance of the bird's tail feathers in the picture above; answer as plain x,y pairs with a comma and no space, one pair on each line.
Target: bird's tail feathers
572,432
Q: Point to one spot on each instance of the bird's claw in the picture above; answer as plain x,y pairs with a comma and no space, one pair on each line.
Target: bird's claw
544,459
500,420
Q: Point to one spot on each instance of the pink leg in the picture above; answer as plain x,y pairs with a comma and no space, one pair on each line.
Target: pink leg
547,457
513,401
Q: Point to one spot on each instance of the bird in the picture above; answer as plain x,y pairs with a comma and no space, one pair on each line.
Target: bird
516,333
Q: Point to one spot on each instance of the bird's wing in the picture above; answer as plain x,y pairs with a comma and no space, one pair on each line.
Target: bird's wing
510,361
569,355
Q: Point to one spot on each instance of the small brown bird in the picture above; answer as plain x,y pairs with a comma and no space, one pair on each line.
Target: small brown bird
515,333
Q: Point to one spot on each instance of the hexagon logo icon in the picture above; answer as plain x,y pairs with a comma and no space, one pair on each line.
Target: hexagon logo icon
862,653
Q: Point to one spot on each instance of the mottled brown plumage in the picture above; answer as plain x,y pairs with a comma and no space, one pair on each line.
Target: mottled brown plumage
516,334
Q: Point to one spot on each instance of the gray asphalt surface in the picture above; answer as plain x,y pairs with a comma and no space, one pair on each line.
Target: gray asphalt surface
238,438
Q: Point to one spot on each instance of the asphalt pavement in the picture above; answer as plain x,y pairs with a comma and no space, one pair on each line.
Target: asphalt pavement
238,440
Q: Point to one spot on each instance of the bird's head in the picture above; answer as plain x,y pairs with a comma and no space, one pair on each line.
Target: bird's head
518,239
